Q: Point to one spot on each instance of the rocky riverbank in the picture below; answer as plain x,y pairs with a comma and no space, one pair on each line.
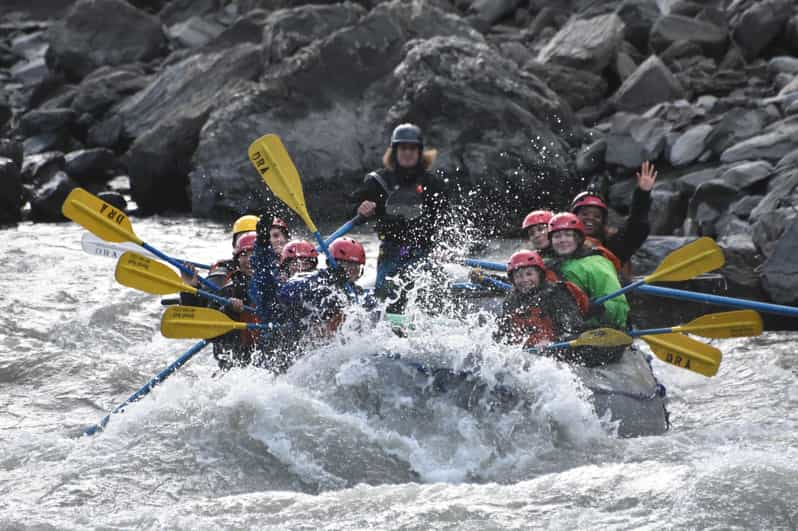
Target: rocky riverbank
527,100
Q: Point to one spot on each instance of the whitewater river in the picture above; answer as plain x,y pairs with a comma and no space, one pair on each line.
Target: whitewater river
327,446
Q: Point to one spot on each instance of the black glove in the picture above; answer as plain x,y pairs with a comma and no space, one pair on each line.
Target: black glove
595,310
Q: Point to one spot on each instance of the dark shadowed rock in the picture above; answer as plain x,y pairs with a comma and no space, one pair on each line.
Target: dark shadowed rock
689,146
780,188
633,139
55,141
90,164
735,126
12,149
791,35
668,210
638,17
103,32
784,64
387,83
47,199
689,182
108,133
114,199
768,228
590,159
246,28
580,88
46,121
758,25
742,208
672,28
165,119
176,11
654,250
742,262
650,84
40,168
107,86
287,30
709,201
585,44
491,11
777,140
747,174
10,191
780,274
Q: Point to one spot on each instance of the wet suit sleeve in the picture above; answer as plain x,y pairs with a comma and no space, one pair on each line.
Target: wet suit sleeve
631,236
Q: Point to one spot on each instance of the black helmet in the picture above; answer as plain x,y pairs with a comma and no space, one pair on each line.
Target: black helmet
407,134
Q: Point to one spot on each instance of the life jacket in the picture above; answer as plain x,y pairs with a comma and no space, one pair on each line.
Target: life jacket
402,198
531,322
596,245
581,298
247,338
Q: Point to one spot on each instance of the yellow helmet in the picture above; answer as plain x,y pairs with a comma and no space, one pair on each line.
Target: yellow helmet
244,224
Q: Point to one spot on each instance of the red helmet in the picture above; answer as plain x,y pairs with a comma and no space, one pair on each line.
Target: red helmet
280,224
298,249
566,221
348,250
588,199
537,217
246,242
525,258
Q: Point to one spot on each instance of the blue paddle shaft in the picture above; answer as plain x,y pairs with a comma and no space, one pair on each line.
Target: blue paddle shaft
720,301
145,390
343,229
484,264
629,287
178,265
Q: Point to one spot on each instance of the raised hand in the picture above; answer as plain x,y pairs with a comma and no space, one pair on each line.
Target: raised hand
646,177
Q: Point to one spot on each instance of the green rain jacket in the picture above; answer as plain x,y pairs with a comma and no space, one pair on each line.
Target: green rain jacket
596,276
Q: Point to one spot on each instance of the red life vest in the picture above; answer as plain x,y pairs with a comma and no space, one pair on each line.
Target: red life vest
532,324
596,245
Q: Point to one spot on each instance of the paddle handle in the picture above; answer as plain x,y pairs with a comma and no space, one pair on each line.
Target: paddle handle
629,287
732,302
343,229
178,265
649,332
221,300
498,283
484,264
158,378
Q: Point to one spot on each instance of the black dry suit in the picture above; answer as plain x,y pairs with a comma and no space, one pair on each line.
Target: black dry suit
411,205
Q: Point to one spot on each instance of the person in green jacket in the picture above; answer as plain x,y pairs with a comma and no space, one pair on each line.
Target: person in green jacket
588,269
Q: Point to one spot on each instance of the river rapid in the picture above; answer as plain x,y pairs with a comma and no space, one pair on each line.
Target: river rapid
331,446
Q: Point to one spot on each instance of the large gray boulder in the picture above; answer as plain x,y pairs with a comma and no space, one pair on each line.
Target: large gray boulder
674,28
287,30
769,227
47,199
491,11
166,117
633,139
780,274
776,140
781,187
689,146
758,24
588,44
668,210
747,174
103,32
650,84
335,110
737,124
107,86
638,16
580,88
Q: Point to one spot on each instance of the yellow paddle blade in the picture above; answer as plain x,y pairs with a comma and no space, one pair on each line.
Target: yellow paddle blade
602,337
685,352
740,323
98,217
688,261
193,322
151,276
270,158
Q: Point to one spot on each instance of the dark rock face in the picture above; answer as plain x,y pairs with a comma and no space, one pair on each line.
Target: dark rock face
10,191
633,139
47,199
579,88
780,275
650,84
585,44
105,87
758,24
673,28
103,32
89,165
388,83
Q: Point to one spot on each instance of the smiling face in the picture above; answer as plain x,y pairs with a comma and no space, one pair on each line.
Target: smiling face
244,262
593,219
526,279
300,265
278,239
407,155
353,270
539,236
564,242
